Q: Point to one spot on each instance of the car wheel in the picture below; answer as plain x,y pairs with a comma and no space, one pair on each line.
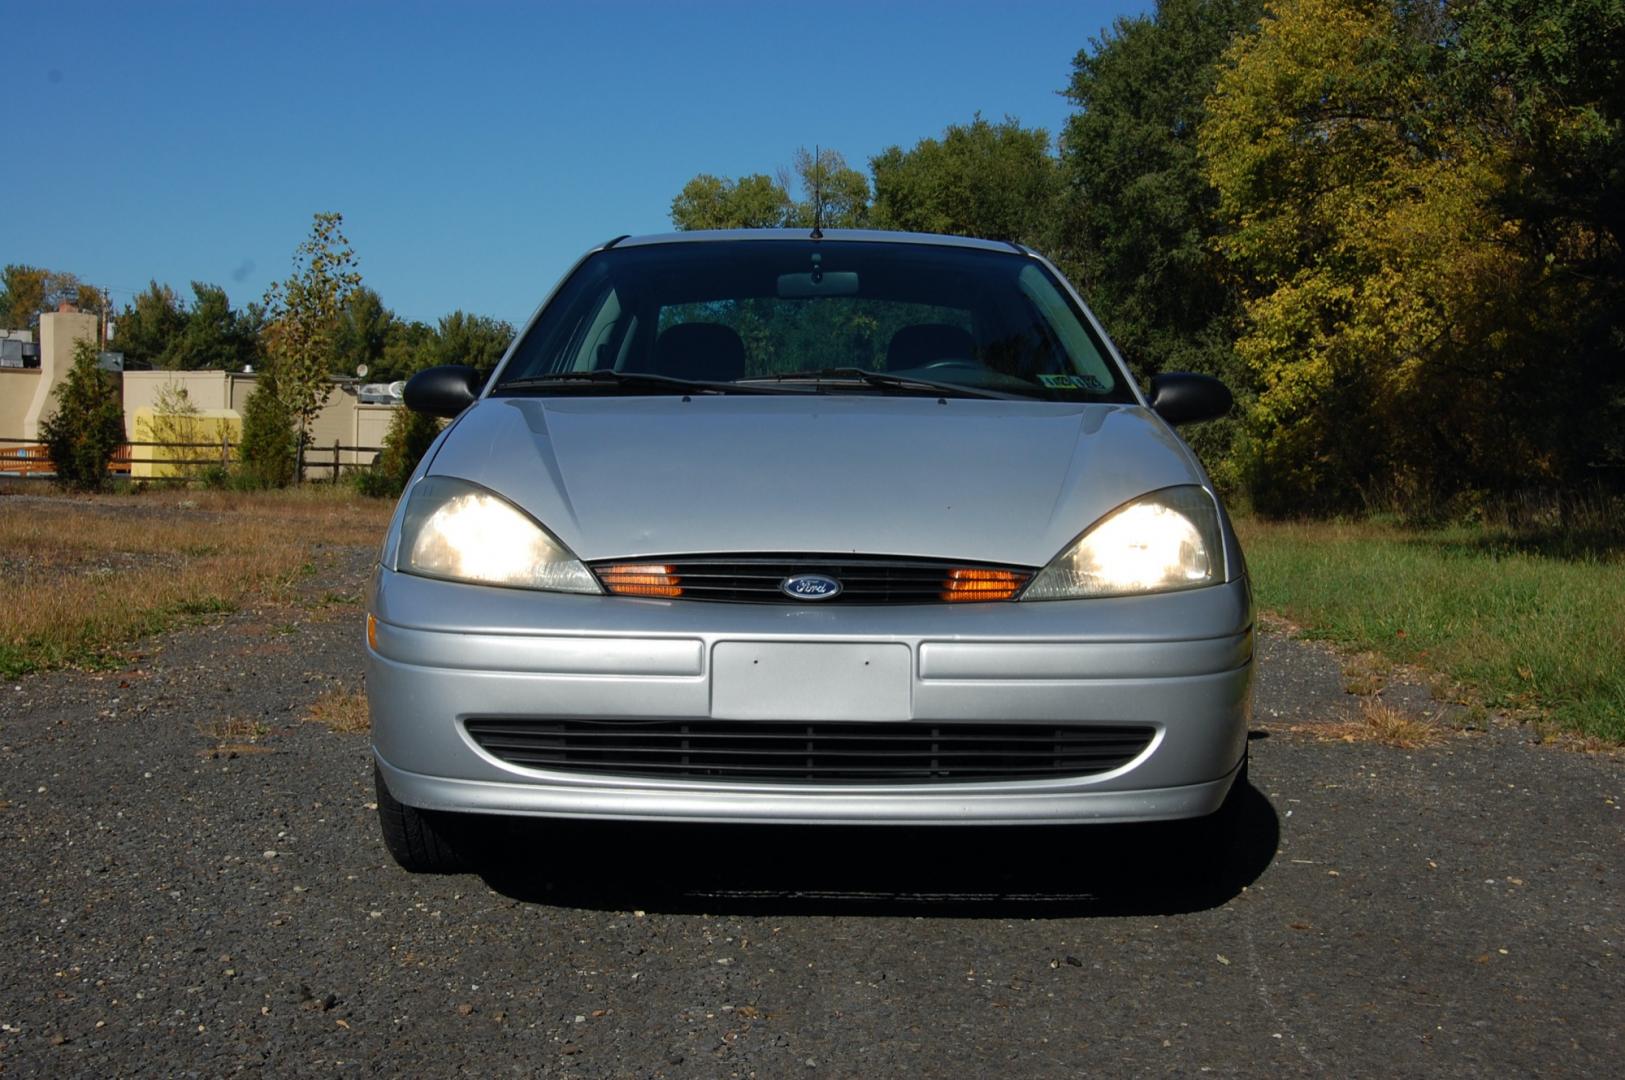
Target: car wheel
420,840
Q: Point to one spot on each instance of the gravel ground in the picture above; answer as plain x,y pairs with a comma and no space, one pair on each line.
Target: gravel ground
171,906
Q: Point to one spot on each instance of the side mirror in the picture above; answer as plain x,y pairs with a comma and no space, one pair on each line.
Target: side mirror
443,391
1183,397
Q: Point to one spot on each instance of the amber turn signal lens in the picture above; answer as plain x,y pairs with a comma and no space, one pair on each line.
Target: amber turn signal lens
372,632
640,579
971,584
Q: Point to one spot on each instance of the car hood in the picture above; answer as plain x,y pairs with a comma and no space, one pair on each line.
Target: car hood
979,480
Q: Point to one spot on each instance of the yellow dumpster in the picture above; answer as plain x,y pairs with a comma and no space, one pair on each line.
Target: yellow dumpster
188,442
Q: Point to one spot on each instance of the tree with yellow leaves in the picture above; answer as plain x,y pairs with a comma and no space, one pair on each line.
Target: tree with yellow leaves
303,313
1384,292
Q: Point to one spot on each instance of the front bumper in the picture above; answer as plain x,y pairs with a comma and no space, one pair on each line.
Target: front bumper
1179,662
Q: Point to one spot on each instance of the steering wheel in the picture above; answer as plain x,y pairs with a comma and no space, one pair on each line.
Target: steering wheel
948,364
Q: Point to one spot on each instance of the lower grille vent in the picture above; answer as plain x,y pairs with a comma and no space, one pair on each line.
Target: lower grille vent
848,753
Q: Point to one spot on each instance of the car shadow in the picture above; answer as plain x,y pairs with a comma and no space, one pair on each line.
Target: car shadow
970,872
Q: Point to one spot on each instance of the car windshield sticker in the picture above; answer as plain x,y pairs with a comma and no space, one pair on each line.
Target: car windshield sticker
1072,382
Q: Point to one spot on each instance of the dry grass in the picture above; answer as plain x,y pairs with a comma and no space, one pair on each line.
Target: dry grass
342,710
1379,722
233,729
234,737
81,575
233,750
1365,673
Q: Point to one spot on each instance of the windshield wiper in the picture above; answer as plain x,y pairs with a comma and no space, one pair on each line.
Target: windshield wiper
886,381
632,379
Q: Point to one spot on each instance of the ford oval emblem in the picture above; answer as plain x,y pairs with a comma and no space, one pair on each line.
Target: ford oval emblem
810,587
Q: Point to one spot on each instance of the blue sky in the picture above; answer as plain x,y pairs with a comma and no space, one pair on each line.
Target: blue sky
475,149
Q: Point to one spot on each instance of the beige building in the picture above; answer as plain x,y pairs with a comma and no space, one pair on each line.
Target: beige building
26,393
26,396
220,396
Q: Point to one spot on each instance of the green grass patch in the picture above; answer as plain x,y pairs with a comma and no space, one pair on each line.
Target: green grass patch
1526,630
15,660
206,605
91,642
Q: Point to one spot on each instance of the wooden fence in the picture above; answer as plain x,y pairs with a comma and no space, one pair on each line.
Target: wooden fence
29,457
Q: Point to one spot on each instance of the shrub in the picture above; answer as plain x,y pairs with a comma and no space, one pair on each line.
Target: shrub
270,446
408,439
88,425
175,423
372,483
214,477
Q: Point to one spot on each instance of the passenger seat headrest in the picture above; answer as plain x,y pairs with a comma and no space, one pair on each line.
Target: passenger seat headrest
709,352
924,343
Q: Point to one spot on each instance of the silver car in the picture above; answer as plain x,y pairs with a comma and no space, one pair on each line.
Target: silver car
840,527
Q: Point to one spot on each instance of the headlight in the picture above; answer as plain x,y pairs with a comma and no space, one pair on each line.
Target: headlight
459,531
1160,542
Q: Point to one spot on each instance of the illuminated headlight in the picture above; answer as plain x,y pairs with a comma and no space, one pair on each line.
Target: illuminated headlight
461,532
1160,542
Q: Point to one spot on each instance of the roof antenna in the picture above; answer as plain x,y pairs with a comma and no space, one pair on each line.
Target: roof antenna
818,192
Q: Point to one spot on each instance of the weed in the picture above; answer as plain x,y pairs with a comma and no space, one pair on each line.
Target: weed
1365,673
206,605
1379,722
233,729
342,710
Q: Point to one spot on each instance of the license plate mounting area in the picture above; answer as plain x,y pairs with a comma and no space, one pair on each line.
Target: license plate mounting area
793,680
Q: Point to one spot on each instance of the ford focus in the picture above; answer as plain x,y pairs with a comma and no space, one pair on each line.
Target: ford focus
841,527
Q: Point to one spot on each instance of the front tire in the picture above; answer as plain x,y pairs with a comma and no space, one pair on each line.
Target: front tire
420,840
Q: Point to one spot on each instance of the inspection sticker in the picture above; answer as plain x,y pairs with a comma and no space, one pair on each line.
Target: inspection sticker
1072,382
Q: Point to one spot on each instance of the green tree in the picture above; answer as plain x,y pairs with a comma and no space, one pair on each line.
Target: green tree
214,336
362,334
476,340
711,202
88,424
828,186
834,194
269,453
150,326
409,347
303,311
991,180
405,443
1543,82
1550,76
1138,217
1135,224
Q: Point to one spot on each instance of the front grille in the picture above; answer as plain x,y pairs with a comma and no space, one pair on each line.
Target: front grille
756,578
877,753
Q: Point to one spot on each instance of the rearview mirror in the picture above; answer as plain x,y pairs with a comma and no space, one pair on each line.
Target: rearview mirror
818,283
443,391
1183,397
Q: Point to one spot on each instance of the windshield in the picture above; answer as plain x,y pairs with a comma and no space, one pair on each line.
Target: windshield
787,313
